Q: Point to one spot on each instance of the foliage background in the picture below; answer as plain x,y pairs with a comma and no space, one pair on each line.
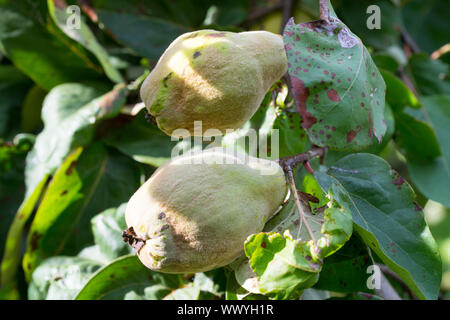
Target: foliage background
75,146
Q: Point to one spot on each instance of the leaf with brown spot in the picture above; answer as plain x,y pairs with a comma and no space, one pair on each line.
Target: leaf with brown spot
336,85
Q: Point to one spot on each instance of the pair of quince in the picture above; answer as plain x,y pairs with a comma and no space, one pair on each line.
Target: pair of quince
196,211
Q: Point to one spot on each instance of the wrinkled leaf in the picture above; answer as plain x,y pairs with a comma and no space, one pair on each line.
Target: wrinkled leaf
283,267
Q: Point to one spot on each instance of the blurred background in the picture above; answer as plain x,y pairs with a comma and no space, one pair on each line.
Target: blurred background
66,92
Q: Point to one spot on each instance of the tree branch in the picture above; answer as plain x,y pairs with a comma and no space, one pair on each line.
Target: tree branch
393,275
324,10
288,12
257,14
293,161
288,164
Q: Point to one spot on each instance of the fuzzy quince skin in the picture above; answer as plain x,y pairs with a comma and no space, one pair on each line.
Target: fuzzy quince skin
196,217
219,78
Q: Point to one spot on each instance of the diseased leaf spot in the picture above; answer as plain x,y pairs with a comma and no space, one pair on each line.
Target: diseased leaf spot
333,95
301,93
70,168
34,240
351,135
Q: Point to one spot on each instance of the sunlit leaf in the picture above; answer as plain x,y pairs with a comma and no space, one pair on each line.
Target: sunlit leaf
127,278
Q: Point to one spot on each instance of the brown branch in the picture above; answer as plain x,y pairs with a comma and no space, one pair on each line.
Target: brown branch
288,12
258,14
407,81
293,161
409,41
324,10
87,8
288,164
393,275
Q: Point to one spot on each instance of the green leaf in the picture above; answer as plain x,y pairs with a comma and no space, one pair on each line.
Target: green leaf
31,109
354,14
42,242
284,267
358,296
387,219
430,76
186,293
346,270
70,114
13,87
83,35
60,278
415,136
386,62
398,94
333,76
375,148
126,277
148,36
107,229
438,112
188,13
84,184
330,223
119,179
427,23
142,141
293,139
36,50
432,176
331,226
213,281
12,255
